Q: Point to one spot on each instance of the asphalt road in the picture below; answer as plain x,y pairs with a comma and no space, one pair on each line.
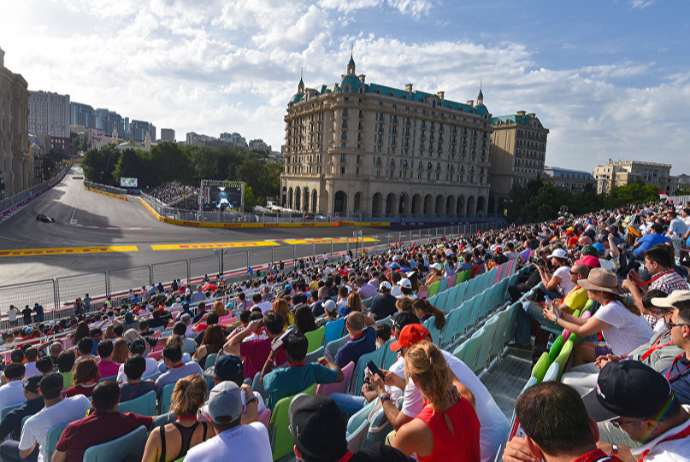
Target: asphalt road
74,209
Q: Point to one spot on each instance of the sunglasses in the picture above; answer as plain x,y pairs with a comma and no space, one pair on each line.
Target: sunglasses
671,325
619,425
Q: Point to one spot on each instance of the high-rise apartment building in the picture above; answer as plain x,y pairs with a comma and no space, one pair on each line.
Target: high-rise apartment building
82,114
107,121
624,172
234,139
139,128
168,134
259,145
16,163
362,148
518,152
49,114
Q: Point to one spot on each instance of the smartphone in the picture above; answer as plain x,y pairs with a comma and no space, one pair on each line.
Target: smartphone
277,343
375,370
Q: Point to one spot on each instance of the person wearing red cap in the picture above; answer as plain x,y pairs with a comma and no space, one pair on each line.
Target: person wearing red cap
494,425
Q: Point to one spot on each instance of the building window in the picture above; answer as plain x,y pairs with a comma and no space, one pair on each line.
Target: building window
343,158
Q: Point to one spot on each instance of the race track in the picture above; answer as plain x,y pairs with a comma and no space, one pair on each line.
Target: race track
93,232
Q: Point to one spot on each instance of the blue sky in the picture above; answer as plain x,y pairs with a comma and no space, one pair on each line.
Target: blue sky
610,79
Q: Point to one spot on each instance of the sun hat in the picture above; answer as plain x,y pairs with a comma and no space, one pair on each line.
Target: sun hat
435,266
385,286
673,298
602,280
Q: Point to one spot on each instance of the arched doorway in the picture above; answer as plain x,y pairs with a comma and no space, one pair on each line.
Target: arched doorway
340,202
313,201
416,204
492,205
390,204
377,204
298,198
481,204
461,206
358,202
450,206
428,205
404,204
438,210
290,198
306,200
470,206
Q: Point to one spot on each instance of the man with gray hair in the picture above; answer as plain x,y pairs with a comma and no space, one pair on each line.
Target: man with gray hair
198,296
362,340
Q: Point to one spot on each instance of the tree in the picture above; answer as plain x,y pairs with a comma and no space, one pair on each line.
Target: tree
131,165
249,199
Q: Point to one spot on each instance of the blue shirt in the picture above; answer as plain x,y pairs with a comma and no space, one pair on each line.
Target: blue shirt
356,347
648,241
294,379
680,379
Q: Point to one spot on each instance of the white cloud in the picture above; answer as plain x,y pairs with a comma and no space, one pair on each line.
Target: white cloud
642,4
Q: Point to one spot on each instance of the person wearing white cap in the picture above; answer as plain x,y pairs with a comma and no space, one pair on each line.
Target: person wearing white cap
383,304
233,441
557,283
406,289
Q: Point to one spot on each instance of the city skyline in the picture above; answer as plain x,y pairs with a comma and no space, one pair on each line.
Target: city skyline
609,80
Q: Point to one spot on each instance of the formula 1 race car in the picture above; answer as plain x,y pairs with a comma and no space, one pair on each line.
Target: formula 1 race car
45,218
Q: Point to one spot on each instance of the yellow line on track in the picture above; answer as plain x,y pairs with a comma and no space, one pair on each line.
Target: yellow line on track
67,251
214,245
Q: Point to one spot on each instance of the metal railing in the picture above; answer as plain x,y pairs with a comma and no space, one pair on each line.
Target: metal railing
28,194
105,188
58,295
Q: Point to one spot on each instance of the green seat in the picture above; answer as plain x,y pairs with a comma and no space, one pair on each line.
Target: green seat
458,278
466,275
564,356
131,444
315,338
433,289
281,439
112,378
539,369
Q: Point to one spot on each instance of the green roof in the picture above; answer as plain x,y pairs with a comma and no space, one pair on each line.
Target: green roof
515,119
352,61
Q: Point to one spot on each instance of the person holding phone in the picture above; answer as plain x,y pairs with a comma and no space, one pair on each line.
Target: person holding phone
298,375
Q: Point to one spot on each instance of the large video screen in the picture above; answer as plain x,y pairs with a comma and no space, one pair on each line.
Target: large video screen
223,197
128,182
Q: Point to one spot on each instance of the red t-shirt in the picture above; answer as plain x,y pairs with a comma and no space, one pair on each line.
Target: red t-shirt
85,389
98,429
108,368
463,446
255,353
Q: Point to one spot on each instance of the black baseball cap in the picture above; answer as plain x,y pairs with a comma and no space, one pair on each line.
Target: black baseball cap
227,368
405,318
31,384
317,427
628,389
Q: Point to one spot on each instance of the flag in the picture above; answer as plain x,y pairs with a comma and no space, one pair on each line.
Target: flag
663,195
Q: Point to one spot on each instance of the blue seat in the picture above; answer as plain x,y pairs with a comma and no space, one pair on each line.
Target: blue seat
471,352
430,325
210,360
356,440
132,444
315,355
334,345
510,324
389,357
443,285
334,330
52,439
460,292
484,352
358,374
7,409
112,378
258,386
473,307
441,300
166,398
456,323
143,405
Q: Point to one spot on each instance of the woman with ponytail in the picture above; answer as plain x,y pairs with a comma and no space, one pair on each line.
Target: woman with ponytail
447,429
426,310
172,441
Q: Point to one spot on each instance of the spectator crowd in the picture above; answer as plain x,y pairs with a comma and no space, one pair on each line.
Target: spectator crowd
220,357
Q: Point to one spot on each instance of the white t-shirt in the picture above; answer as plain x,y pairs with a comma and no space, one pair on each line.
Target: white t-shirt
11,393
669,451
36,427
243,443
566,285
265,306
151,368
494,425
12,314
627,331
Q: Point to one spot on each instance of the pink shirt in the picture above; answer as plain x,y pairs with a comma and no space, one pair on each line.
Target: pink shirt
108,368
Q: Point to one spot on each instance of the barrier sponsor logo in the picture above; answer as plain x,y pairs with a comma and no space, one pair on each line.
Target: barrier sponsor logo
214,245
67,251
338,240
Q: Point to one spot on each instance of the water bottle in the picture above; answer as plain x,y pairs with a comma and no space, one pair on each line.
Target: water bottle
547,302
550,343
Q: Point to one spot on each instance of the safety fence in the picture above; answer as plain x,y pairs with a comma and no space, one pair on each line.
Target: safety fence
105,188
57,296
26,195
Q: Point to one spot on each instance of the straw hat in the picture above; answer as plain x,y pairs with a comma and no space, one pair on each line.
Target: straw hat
602,280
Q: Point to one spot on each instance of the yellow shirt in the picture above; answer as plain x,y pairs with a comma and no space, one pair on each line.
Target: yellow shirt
575,300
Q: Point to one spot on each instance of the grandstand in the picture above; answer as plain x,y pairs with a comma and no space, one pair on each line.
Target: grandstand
480,320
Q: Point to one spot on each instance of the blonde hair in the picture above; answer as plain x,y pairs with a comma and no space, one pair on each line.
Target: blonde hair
109,333
354,302
425,364
176,339
188,395
219,308
281,306
120,351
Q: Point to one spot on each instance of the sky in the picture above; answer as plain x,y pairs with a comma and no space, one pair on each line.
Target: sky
609,78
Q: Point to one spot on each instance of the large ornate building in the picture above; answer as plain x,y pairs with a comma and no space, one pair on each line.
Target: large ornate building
16,168
356,148
624,172
518,152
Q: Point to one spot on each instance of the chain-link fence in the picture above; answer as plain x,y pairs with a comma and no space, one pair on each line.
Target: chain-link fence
70,288
170,271
21,295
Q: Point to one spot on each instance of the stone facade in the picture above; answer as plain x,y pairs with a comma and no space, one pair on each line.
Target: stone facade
518,152
624,172
16,166
357,149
